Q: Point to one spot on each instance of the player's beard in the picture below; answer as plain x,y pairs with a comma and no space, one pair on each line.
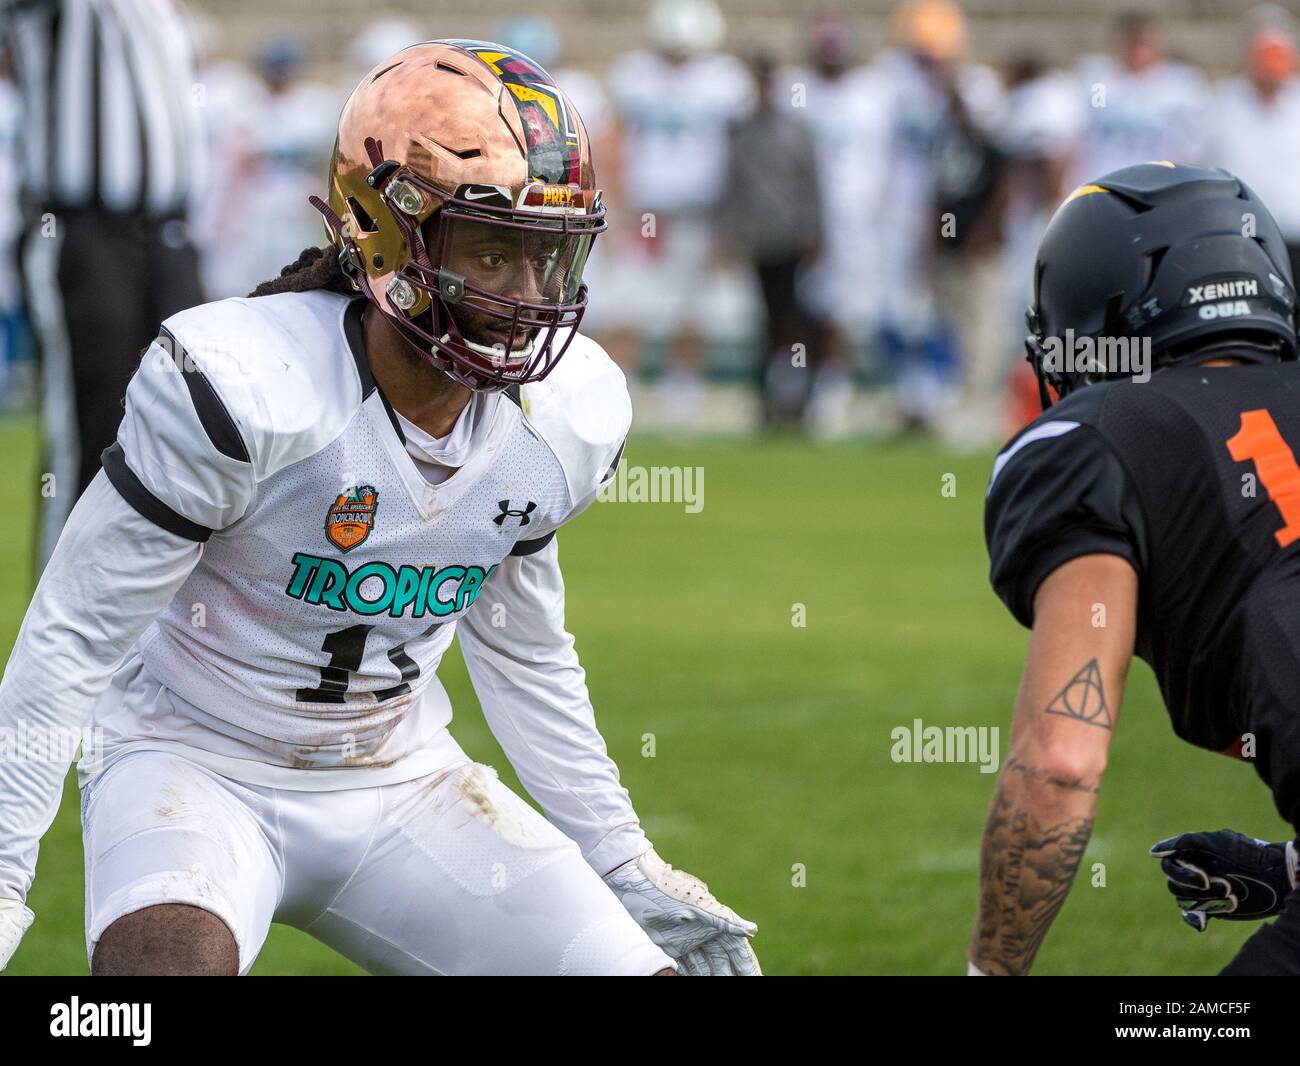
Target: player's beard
437,381
473,325
482,327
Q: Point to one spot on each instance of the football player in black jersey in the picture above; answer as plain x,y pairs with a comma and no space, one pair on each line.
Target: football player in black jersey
1152,510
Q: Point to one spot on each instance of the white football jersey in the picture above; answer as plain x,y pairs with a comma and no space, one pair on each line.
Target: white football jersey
674,118
333,572
1259,142
1133,117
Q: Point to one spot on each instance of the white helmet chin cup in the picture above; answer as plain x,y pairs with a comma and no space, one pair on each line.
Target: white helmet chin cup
495,352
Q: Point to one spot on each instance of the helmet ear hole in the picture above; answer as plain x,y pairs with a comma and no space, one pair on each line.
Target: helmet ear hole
363,221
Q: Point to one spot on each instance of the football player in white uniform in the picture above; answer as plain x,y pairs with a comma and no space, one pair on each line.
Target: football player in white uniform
312,489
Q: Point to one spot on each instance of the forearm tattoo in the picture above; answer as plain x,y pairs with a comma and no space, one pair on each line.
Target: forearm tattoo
1026,866
1083,698
1026,869
1033,773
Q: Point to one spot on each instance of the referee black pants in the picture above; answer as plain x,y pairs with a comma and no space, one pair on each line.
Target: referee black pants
97,285
784,387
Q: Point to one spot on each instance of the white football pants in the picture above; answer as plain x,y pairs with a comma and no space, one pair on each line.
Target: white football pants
447,874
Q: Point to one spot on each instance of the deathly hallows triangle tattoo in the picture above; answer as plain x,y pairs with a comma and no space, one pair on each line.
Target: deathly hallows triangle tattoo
1083,698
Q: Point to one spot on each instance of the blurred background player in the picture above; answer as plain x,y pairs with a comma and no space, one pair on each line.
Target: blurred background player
381,36
1137,103
967,269
838,98
771,217
675,102
918,314
1256,128
1039,131
274,135
941,110
112,155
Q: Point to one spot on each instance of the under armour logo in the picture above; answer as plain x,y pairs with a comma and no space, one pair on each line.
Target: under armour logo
507,513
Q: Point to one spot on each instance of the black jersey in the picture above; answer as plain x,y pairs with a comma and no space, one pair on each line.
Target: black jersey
1192,477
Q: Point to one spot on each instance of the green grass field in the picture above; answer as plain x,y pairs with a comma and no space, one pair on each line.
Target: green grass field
772,741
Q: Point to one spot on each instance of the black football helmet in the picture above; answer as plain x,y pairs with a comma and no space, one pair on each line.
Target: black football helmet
1185,256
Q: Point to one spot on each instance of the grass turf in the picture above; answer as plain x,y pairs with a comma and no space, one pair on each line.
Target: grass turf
771,774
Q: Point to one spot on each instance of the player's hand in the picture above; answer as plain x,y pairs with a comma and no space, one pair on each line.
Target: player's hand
705,938
15,920
1226,875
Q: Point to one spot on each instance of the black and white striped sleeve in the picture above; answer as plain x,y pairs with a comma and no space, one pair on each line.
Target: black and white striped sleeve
110,115
180,458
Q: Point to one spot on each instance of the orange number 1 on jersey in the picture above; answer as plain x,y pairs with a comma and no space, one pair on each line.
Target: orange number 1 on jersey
1259,440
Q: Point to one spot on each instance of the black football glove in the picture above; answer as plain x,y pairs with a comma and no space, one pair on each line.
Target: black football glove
1226,875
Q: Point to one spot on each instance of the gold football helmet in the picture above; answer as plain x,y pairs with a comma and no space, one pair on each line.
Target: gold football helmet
462,203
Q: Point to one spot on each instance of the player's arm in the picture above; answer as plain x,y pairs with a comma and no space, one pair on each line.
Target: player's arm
534,695
533,690
522,661
1067,541
110,575
130,542
1046,796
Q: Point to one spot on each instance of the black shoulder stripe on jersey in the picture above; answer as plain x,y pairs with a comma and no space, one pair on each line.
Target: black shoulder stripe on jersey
513,392
357,346
613,467
132,489
531,547
213,415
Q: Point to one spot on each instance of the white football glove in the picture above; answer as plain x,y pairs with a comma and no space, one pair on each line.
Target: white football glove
15,920
705,938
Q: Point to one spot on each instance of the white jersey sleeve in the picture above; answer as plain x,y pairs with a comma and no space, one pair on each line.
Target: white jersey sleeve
533,691
111,573
583,412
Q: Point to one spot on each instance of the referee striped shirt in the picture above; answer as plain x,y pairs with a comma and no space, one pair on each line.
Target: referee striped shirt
111,108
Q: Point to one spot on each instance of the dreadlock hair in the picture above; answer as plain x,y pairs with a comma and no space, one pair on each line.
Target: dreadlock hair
315,268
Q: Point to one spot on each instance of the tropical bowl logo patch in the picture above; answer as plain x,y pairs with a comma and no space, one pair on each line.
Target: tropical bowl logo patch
351,517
